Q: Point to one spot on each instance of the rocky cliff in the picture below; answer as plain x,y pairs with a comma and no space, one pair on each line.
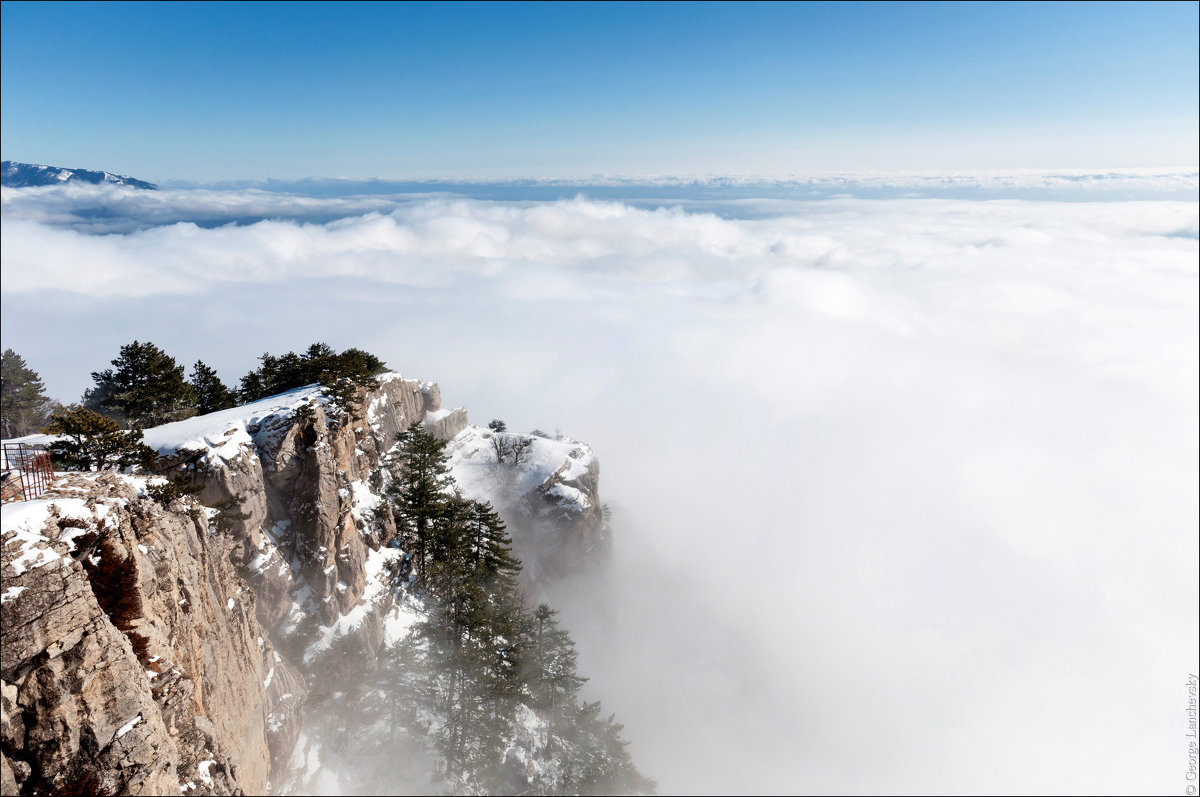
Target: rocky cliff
132,661
152,649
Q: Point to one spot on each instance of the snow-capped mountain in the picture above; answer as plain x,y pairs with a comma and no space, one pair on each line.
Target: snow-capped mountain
27,175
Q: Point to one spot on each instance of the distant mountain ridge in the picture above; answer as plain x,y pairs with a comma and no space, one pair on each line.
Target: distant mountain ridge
27,175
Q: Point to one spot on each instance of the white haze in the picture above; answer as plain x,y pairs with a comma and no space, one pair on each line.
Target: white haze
907,489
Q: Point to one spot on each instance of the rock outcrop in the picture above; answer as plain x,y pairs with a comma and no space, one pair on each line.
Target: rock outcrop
153,649
303,482
132,660
548,493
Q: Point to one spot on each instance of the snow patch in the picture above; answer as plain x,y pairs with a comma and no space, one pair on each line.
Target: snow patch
12,593
222,435
127,727
365,501
376,589
202,770
474,465
24,522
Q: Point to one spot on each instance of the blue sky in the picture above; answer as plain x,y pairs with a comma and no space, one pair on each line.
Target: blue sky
245,90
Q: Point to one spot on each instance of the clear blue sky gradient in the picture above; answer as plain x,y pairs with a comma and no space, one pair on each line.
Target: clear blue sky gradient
464,90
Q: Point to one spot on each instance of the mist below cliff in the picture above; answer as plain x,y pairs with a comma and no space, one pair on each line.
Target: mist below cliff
906,490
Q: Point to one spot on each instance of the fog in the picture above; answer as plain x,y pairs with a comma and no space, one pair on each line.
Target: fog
905,489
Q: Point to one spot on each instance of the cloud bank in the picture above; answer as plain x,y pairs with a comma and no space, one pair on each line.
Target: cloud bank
907,488
115,209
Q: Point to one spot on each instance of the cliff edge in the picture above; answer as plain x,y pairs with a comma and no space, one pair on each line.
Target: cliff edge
152,649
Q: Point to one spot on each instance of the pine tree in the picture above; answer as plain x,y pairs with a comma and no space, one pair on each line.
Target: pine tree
419,495
550,669
23,400
341,375
145,388
474,572
479,655
94,442
469,671
343,379
597,758
211,393
589,747
363,360
253,386
287,371
460,678
490,548
472,662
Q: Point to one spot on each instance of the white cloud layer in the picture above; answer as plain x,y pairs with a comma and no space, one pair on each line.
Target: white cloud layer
908,488
109,209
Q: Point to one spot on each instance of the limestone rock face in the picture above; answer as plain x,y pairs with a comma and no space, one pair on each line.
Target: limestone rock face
569,517
303,482
130,649
286,692
445,424
152,649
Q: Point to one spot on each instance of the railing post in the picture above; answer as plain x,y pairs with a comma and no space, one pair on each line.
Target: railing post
31,468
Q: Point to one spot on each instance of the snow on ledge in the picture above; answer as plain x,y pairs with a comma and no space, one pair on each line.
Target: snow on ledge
127,727
474,465
222,434
374,595
24,521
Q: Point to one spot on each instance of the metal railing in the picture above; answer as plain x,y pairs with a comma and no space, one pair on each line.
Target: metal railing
27,472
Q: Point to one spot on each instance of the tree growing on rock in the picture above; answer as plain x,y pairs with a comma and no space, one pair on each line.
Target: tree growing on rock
343,376
479,655
211,393
145,387
419,493
511,448
94,442
173,489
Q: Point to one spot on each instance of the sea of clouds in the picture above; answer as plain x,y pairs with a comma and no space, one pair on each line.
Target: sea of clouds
109,209
906,487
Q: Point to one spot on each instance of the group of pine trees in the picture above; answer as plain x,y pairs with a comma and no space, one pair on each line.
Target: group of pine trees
339,374
146,387
482,654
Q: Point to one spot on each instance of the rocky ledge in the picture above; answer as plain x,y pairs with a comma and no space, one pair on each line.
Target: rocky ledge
152,649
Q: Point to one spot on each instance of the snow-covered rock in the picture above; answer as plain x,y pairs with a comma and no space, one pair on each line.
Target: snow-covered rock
27,175
545,488
129,649
298,485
